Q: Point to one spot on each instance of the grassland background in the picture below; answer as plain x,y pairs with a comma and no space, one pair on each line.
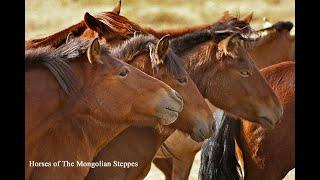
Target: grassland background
44,17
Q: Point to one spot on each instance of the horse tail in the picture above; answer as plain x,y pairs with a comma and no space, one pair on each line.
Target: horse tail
218,156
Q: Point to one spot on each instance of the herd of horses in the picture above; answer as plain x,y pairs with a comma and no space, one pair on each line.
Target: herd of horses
108,89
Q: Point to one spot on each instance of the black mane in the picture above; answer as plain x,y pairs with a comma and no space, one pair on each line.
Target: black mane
190,40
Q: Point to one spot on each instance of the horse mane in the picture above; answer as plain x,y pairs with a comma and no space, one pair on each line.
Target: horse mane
270,33
218,159
190,40
56,60
175,32
139,44
269,36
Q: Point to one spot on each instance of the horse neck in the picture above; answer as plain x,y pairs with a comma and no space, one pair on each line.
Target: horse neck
42,85
144,142
74,136
72,122
176,32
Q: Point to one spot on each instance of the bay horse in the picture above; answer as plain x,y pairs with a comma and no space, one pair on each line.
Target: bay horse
265,154
265,50
78,98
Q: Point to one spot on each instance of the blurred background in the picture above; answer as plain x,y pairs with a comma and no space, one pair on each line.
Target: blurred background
44,17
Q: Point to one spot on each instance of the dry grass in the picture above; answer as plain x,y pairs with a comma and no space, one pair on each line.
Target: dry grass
49,16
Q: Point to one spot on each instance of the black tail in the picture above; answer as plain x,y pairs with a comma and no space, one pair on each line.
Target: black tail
218,158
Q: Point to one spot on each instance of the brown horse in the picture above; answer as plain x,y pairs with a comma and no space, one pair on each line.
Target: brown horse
275,46
265,154
277,37
271,154
96,97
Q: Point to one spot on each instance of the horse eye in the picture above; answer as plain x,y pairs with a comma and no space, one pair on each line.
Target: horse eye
244,73
182,80
124,72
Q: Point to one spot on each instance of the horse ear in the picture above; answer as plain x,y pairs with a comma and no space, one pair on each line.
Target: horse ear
225,16
69,37
223,47
94,23
248,18
163,46
266,23
94,51
117,9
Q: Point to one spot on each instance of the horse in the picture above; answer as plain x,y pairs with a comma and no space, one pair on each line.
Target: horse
276,35
78,98
273,155
274,46
265,154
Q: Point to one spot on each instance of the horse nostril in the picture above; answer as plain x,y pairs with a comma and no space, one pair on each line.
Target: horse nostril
178,96
213,128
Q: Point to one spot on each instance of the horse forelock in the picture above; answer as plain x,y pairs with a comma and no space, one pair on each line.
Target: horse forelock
138,44
119,24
